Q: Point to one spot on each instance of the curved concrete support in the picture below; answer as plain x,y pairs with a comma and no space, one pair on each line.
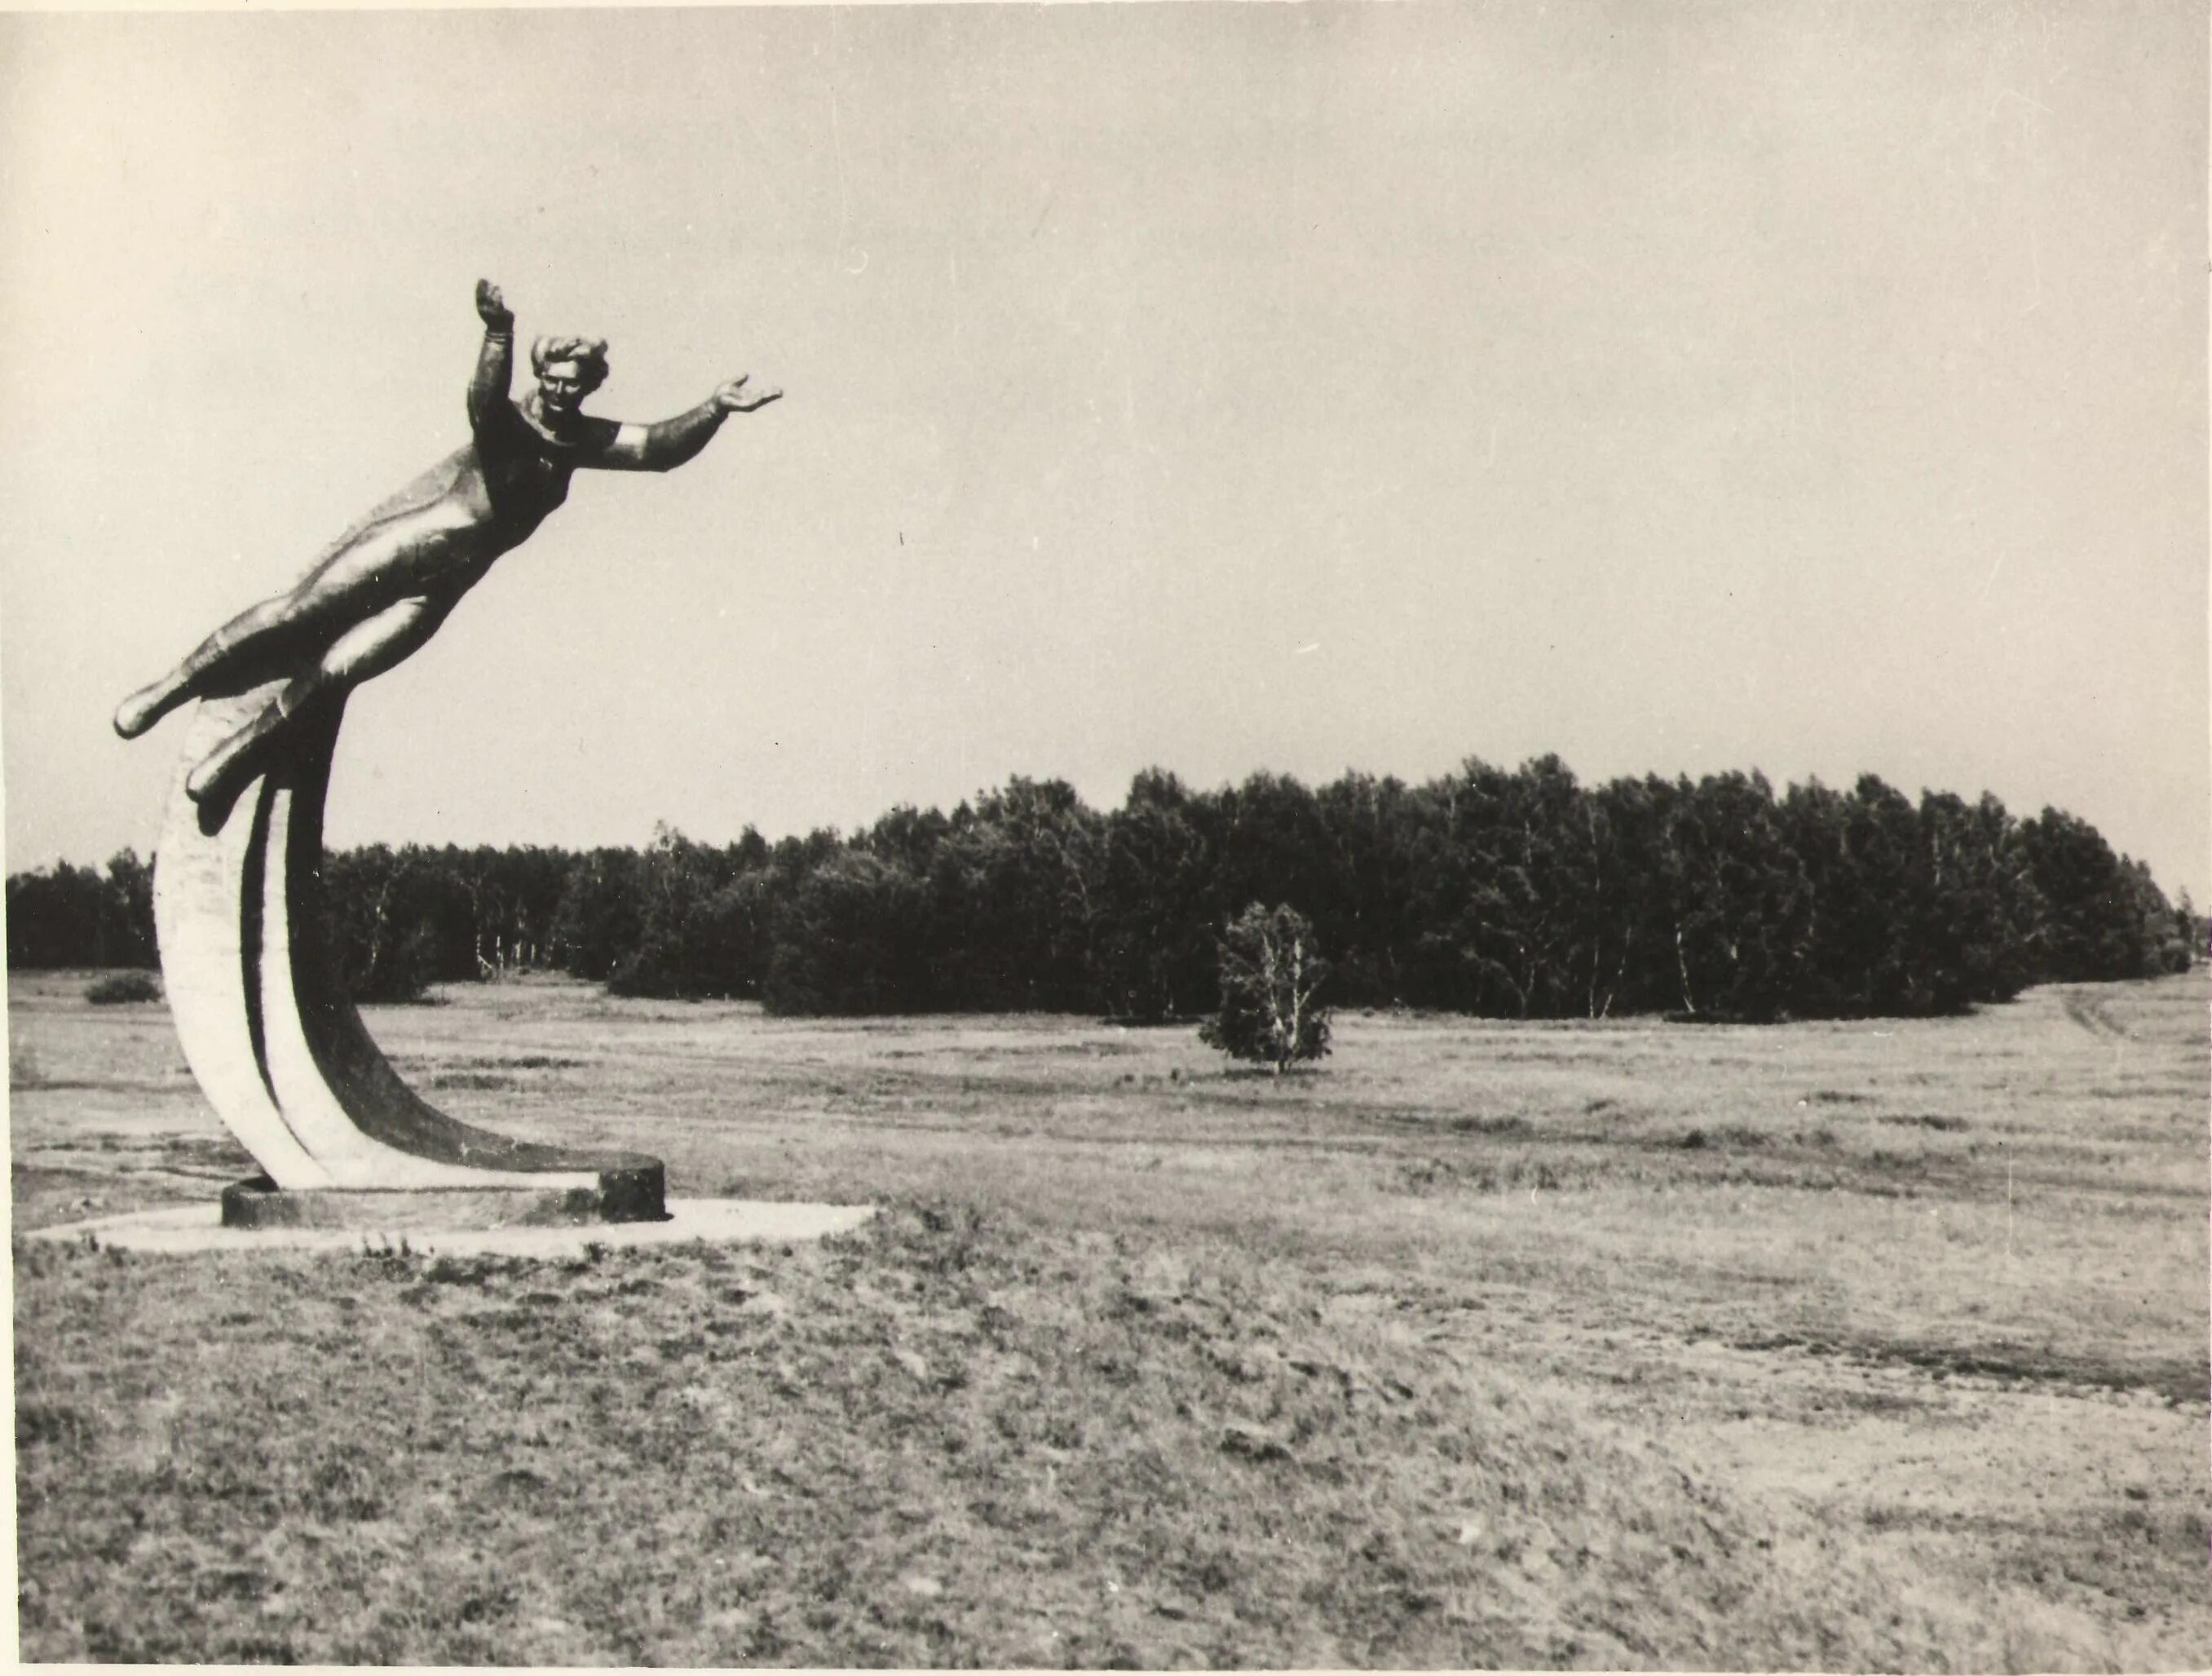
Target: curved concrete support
254,985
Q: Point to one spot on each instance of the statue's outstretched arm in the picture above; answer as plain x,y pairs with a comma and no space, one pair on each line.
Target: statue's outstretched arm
664,446
495,373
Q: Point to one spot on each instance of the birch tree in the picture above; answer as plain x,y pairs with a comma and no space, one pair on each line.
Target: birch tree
1270,975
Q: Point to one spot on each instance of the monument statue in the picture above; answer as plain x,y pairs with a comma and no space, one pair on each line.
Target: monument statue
248,961
380,590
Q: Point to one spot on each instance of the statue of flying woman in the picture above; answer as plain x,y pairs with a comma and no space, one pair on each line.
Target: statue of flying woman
380,590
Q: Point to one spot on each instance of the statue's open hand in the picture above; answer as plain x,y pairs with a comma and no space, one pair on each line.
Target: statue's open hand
491,308
735,397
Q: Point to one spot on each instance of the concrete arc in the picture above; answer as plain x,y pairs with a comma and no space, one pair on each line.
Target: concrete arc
204,883
254,982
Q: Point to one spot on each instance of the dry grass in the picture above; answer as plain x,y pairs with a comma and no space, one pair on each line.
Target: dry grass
1873,1345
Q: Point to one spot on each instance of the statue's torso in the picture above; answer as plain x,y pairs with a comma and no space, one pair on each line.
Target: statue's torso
520,472
485,499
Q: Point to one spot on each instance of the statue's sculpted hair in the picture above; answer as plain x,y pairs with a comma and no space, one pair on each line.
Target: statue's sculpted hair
590,355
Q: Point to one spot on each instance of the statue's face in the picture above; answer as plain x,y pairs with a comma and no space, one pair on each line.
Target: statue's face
561,387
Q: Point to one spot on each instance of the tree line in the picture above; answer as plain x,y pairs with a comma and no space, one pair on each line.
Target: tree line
1505,893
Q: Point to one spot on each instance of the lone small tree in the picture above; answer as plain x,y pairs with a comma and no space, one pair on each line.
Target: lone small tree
1271,971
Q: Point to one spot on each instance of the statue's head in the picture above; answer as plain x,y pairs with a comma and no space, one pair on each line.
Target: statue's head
569,369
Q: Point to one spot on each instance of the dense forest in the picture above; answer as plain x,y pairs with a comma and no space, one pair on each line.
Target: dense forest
1514,893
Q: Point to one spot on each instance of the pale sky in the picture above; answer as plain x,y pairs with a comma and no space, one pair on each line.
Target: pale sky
1812,388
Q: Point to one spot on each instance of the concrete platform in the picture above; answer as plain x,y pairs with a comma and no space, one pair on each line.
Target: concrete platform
637,1195
198,1228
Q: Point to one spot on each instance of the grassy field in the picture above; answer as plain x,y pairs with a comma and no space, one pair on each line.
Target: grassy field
1865,1346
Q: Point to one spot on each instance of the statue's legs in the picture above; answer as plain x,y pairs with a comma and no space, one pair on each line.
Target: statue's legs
411,552
365,650
256,631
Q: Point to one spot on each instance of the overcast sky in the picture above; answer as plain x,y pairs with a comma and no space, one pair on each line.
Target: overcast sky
1813,388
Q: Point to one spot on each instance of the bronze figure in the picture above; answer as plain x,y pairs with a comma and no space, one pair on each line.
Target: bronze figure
378,593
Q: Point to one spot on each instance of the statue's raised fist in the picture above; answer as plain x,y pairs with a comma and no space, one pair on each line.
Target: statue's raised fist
491,308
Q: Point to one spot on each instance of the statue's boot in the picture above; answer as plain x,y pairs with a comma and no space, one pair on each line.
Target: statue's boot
223,772
147,705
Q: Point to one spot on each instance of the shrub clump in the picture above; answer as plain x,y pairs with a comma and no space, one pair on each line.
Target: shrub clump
120,988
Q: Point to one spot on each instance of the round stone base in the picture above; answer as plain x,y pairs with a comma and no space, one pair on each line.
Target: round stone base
619,1195
199,1227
